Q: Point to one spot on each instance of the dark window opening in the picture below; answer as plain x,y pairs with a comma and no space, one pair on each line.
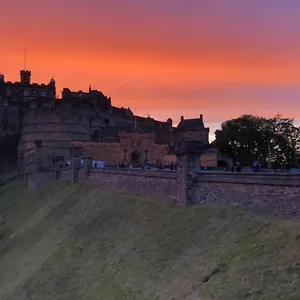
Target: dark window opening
146,155
221,163
106,121
96,135
135,157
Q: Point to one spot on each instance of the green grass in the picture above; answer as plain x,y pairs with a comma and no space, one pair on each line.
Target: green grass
79,242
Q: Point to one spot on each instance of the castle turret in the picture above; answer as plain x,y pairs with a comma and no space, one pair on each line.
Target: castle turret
52,82
25,77
1,78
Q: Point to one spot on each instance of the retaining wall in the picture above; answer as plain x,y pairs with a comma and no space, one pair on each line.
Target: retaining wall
155,183
38,180
275,194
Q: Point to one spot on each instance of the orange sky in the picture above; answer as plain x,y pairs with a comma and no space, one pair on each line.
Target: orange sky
166,58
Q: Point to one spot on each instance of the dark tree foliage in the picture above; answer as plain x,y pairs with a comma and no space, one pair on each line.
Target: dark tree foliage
250,138
9,149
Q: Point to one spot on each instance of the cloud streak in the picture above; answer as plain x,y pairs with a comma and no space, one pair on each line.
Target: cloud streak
220,58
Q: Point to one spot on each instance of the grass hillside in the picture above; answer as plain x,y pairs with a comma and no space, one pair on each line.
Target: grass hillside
79,242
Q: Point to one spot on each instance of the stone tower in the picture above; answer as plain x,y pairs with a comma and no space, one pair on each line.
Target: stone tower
25,77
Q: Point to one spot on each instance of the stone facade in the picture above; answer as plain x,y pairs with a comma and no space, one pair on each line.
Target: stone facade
274,194
213,158
153,183
192,130
131,148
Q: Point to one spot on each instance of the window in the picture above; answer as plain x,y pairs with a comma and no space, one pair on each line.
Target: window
125,153
5,103
25,93
43,94
146,155
106,122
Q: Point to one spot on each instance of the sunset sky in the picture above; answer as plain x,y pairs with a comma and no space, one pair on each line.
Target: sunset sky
166,58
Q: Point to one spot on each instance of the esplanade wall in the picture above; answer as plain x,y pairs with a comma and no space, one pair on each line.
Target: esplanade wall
272,194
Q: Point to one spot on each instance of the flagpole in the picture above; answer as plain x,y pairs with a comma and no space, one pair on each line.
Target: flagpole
25,58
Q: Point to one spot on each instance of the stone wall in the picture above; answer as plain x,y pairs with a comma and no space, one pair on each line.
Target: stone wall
121,151
65,174
110,152
154,183
275,194
196,135
38,180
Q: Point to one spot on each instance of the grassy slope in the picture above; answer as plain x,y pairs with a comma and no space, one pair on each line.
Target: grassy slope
78,242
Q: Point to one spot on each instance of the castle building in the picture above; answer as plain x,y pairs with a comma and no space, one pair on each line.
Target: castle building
87,119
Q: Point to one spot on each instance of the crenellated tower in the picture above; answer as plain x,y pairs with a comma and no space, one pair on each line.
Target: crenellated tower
25,77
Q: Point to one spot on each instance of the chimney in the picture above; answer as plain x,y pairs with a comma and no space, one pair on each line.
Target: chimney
201,117
181,119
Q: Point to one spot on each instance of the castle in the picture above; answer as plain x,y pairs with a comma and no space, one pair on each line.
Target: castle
89,120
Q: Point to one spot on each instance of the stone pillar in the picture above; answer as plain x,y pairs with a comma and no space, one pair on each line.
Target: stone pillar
188,162
76,153
75,169
193,163
186,180
181,195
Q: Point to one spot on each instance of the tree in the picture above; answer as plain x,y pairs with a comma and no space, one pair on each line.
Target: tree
250,138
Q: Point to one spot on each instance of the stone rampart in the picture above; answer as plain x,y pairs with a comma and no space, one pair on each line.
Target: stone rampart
38,180
275,194
147,182
55,125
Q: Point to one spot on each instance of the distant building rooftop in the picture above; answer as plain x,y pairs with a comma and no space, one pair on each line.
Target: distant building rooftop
191,124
